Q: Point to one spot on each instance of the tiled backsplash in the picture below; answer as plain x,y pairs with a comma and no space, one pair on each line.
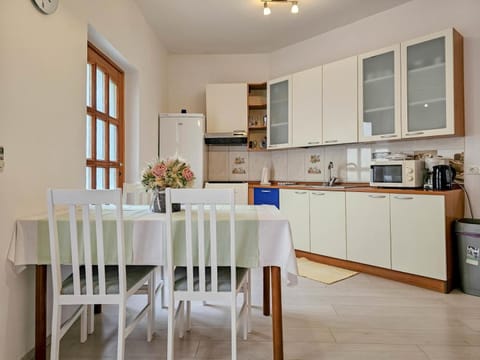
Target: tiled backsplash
351,163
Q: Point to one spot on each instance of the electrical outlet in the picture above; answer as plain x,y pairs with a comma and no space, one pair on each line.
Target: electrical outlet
472,170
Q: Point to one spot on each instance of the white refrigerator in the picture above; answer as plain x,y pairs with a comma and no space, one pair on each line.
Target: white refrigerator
182,135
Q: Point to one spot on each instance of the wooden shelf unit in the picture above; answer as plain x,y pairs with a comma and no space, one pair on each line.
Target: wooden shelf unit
257,112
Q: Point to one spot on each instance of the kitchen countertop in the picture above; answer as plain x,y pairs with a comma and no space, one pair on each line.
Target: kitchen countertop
353,187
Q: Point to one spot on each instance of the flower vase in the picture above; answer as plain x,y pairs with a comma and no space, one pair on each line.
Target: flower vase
159,202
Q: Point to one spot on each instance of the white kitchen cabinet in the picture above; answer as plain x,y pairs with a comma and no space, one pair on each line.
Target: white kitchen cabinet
368,228
279,110
227,107
418,235
340,101
432,85
307,107
294,204
379,95
327,223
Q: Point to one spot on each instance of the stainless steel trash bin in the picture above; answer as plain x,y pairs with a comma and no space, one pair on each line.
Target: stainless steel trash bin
468,244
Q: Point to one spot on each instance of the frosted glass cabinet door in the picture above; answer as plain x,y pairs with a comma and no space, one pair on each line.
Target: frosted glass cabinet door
432,85
379,95
279,93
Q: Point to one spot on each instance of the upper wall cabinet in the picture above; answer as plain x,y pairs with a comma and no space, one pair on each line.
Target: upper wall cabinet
279,109
379,95
226,107
432,85
307,107
340,101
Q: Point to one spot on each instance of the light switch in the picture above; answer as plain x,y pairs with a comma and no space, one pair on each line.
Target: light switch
2,158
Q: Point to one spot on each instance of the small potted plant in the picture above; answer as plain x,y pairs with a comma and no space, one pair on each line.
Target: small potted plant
163,173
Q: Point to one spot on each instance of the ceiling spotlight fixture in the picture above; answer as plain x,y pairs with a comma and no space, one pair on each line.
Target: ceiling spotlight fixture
268,11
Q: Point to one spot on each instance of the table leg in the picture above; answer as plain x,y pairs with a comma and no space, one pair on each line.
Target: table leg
266,290
40,312
277,327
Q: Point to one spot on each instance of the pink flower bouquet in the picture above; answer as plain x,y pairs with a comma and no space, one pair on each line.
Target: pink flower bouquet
172,173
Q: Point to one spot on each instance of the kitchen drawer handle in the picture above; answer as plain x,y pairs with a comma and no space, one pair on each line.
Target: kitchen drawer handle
403,197
377,196
318,193
415,133
388,136
330,141
313,142
266,191
300,192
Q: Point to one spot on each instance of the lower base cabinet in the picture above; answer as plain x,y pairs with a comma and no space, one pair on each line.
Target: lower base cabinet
295,205
327,224
418,235
368,228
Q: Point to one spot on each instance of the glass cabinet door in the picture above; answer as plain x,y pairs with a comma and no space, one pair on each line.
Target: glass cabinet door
426,97
432,85
279,110
379,95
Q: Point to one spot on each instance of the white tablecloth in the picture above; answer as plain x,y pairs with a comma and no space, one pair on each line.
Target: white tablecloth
275,247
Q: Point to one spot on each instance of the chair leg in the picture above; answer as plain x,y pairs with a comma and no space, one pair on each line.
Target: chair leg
181,319
249,302
170,330
121,331
189,319
233,324
91,319
151,306
56,324
84,324
163,297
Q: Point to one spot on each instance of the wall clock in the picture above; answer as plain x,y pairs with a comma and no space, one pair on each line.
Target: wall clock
46,6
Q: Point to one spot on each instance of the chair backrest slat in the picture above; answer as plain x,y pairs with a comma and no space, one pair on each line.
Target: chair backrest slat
74,249
201,205
87,247
85,207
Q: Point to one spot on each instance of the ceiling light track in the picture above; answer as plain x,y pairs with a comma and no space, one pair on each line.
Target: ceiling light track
267,11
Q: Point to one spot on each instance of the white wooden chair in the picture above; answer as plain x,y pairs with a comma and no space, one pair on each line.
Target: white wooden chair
135,194
205,281
91,280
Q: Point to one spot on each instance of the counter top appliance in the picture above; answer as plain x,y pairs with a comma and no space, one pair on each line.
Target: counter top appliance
404,173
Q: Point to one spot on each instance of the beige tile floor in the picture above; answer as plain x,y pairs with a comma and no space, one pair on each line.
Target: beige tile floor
363,317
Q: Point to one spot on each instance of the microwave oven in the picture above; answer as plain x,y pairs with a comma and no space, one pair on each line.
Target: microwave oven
397,173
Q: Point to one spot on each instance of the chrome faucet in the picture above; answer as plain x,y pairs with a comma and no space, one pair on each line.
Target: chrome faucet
331,179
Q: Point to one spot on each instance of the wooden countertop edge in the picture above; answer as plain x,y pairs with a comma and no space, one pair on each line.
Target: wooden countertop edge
356,187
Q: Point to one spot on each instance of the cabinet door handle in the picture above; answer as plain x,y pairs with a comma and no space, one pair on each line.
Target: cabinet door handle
330,141
388,136
266,191
377,196
300,192
313,142
415,133
403,197
318,193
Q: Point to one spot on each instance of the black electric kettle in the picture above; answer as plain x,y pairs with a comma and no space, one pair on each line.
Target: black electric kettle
442,177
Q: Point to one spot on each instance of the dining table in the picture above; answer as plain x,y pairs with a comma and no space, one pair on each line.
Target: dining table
269,247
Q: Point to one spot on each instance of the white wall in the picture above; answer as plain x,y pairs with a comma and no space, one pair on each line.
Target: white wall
413,19
189,74
42,116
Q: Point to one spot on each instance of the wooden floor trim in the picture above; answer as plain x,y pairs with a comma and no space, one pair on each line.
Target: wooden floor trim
416,280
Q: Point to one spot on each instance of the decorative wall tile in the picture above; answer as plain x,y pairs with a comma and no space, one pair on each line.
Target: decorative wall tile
238,166
256,161
278,172
296,164
314,164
